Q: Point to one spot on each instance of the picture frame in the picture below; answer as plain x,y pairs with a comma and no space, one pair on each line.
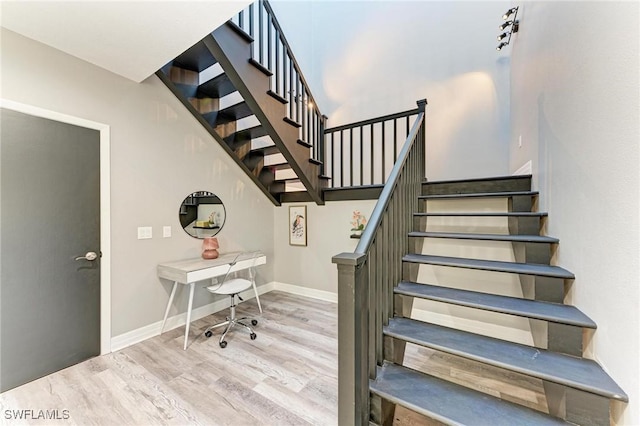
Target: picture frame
297,225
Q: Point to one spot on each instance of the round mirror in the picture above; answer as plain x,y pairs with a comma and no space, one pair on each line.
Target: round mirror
202,214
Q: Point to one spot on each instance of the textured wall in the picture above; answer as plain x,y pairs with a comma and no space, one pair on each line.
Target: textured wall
575,106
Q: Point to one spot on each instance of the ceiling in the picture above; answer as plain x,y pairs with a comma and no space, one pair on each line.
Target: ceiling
130,38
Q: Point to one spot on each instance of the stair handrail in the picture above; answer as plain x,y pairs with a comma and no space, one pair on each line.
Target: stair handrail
372,131
367,276
303,108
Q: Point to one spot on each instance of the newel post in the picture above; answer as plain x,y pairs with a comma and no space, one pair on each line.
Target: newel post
353,339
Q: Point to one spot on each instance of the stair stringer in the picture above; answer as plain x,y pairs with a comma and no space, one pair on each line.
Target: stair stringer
163,76
233,53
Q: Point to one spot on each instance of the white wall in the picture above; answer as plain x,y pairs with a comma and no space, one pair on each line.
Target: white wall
328,234
364,59
159,154
575,102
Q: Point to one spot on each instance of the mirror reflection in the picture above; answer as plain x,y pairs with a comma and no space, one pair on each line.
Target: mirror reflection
202,214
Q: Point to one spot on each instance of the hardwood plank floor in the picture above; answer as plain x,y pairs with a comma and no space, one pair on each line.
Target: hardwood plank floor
287,376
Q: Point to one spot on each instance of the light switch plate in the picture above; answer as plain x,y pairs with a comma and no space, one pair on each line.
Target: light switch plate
145,232
166,231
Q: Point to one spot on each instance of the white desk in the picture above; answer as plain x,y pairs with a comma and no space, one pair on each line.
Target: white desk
190,271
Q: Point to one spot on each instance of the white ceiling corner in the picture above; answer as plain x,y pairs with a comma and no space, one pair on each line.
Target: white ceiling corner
130,38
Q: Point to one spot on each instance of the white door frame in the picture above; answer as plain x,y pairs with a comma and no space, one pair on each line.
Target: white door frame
105,206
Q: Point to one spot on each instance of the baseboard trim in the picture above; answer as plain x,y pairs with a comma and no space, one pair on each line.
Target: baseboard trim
313,293
143,333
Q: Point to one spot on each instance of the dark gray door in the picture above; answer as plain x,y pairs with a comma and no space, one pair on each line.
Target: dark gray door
49,215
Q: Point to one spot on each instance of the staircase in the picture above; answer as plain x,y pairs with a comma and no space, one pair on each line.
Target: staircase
230,94
577,389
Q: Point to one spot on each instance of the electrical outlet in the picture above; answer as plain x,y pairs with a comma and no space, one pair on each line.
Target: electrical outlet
145,232
520,141
166,231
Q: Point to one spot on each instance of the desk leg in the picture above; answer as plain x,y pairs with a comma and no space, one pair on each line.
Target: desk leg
166,311
186,327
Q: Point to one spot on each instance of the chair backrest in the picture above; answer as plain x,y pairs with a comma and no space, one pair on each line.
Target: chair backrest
233,266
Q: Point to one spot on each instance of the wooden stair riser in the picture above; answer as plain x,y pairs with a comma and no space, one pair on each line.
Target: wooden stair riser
205,105
233,53
184,76
519,183
255,163
209,121
241,150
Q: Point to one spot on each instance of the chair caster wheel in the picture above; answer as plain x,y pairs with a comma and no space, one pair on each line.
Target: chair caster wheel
208,334
254,322
253,336
223,344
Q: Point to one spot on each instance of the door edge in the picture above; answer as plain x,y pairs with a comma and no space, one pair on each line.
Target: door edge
105,205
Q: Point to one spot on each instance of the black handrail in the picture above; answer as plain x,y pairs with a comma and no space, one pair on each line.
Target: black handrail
288,83
366,279
346,146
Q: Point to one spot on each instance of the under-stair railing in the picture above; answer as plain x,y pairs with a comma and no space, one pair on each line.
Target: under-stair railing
367,276
273,55
364,153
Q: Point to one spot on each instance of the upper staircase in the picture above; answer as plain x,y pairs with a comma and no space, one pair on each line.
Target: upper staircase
244,86
575,389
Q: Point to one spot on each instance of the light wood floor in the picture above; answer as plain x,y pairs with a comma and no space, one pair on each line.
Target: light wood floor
287,376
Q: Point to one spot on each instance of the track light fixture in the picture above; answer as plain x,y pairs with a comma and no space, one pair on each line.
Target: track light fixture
505,37
505,25
509,12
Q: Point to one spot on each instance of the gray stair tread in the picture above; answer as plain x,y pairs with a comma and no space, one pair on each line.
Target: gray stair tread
197,58
478,195
567,370
234,112
486,237
247,134
450,403
491,265
485,214
217,87
547,311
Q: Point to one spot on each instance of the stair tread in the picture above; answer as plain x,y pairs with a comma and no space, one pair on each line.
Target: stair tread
197,58
217,87
579,373
547,311
247,134
233,112
442,400
491,265
485,214
479,195
487,237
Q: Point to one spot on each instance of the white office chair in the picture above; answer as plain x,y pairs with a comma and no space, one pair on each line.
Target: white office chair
232,287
